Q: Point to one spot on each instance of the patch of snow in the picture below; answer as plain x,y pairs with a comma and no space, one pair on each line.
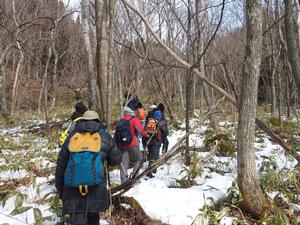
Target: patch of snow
227,220
9,175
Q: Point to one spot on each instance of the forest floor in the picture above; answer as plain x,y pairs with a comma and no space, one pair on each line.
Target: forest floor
178,195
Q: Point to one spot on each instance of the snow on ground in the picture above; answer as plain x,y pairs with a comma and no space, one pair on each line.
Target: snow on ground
159,196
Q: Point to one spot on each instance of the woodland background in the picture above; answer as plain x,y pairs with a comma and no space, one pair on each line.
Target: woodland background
188,54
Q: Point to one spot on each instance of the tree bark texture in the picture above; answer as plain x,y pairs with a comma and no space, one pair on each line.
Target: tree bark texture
291,41
3,103
111,16
102,54
92,81
253,199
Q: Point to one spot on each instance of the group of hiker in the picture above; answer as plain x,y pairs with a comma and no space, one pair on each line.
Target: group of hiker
87,149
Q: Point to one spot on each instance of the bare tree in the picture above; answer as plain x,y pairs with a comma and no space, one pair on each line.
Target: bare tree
93,97
253,200
291,41
3,104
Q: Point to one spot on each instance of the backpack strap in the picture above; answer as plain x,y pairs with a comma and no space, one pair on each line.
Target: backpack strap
77,119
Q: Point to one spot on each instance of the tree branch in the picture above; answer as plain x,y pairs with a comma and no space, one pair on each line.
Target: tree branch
229,98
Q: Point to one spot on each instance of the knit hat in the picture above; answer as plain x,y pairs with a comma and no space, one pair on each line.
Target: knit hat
140,105
161,107
80,107
128,110
90,115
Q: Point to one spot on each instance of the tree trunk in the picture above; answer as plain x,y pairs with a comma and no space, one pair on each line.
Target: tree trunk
188,85
182,100
16,82
54,80
20,62
111,15
3,103
200,48
93,96
102,54
44,87
291,41
253,200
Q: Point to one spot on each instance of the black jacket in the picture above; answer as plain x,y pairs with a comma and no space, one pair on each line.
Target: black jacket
97,197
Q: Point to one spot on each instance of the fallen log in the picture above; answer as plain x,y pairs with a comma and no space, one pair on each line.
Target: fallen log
134,215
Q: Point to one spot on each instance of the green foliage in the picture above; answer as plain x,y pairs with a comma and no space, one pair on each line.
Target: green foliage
210,216
274,121
234,194
39,218
280,217
20,210
8,143
192,171
223,140
270,178
55,205
285,182
19,200
7,196
195,167
287,129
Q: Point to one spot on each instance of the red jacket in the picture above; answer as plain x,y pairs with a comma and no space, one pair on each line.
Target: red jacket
135,129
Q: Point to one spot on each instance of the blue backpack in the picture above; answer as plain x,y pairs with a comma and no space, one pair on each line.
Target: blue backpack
84,167
123,134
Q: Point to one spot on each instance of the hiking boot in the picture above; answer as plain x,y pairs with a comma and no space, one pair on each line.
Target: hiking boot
150,175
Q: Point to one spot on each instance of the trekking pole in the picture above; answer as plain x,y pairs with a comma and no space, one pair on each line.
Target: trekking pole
111,207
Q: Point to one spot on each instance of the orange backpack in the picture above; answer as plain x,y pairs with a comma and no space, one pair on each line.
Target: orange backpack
151,125
141,113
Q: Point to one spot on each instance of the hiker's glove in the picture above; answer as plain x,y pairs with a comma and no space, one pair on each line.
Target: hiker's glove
165,145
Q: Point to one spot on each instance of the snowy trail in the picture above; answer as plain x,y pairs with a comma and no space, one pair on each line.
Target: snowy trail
158,196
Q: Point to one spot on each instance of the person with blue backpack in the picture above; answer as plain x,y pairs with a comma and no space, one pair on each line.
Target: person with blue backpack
157,125
80,176
126,137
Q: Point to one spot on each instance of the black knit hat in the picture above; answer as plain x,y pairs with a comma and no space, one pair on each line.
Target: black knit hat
161,107
80,107
140,105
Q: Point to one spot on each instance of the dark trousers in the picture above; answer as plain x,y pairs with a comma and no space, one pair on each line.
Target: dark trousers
153,153
83,219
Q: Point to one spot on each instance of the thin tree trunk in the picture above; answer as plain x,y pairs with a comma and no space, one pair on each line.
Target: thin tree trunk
111,14
201,68
164,96
92,81
20,62
44,88
3,103
102,54
273,66
188,86
291,41
182,101
16,82
253,200
54,81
